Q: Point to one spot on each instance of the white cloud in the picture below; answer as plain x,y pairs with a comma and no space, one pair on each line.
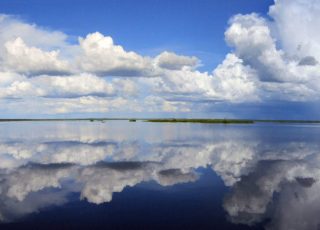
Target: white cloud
235,81
272,59
101,56
101,182
172,61
126,87
13,27
26,181
283,75
175,78
231,81
251,38
19,89
158,104
296,25
20,58
73,86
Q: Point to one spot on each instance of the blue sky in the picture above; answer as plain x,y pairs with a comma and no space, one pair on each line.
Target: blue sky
149,58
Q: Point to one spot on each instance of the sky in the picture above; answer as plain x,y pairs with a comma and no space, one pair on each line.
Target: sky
160,58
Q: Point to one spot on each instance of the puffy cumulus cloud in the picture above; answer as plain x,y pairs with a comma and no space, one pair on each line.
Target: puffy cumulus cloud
182,82
60,105
231,81
269,62
84,104
13,27
283,72
235,81
73,86
14,85
172,61
20,58
296,25
32,72
19,89
101,56
251,37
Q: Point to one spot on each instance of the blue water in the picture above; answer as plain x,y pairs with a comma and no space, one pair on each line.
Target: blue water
138,175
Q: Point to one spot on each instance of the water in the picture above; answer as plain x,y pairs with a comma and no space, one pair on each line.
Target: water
137,175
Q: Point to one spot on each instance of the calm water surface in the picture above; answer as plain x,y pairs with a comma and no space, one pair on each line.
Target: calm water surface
137,175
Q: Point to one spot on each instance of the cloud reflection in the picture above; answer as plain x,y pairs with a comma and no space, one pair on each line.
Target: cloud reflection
270,179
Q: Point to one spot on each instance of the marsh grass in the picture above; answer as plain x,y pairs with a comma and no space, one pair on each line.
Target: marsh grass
214,121
174,120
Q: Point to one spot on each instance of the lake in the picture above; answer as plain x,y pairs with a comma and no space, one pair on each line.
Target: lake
141,175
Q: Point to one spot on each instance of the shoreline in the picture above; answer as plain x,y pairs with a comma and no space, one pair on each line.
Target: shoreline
170,120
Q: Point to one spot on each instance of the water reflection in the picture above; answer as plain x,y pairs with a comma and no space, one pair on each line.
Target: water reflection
272,171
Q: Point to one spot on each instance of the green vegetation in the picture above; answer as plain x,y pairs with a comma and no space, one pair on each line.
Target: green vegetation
214,121
174,120
233,121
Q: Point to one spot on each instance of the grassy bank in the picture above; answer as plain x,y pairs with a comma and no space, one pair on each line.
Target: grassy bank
174,120
214,121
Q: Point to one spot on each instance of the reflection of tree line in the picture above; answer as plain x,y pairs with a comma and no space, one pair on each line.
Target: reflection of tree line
256,172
